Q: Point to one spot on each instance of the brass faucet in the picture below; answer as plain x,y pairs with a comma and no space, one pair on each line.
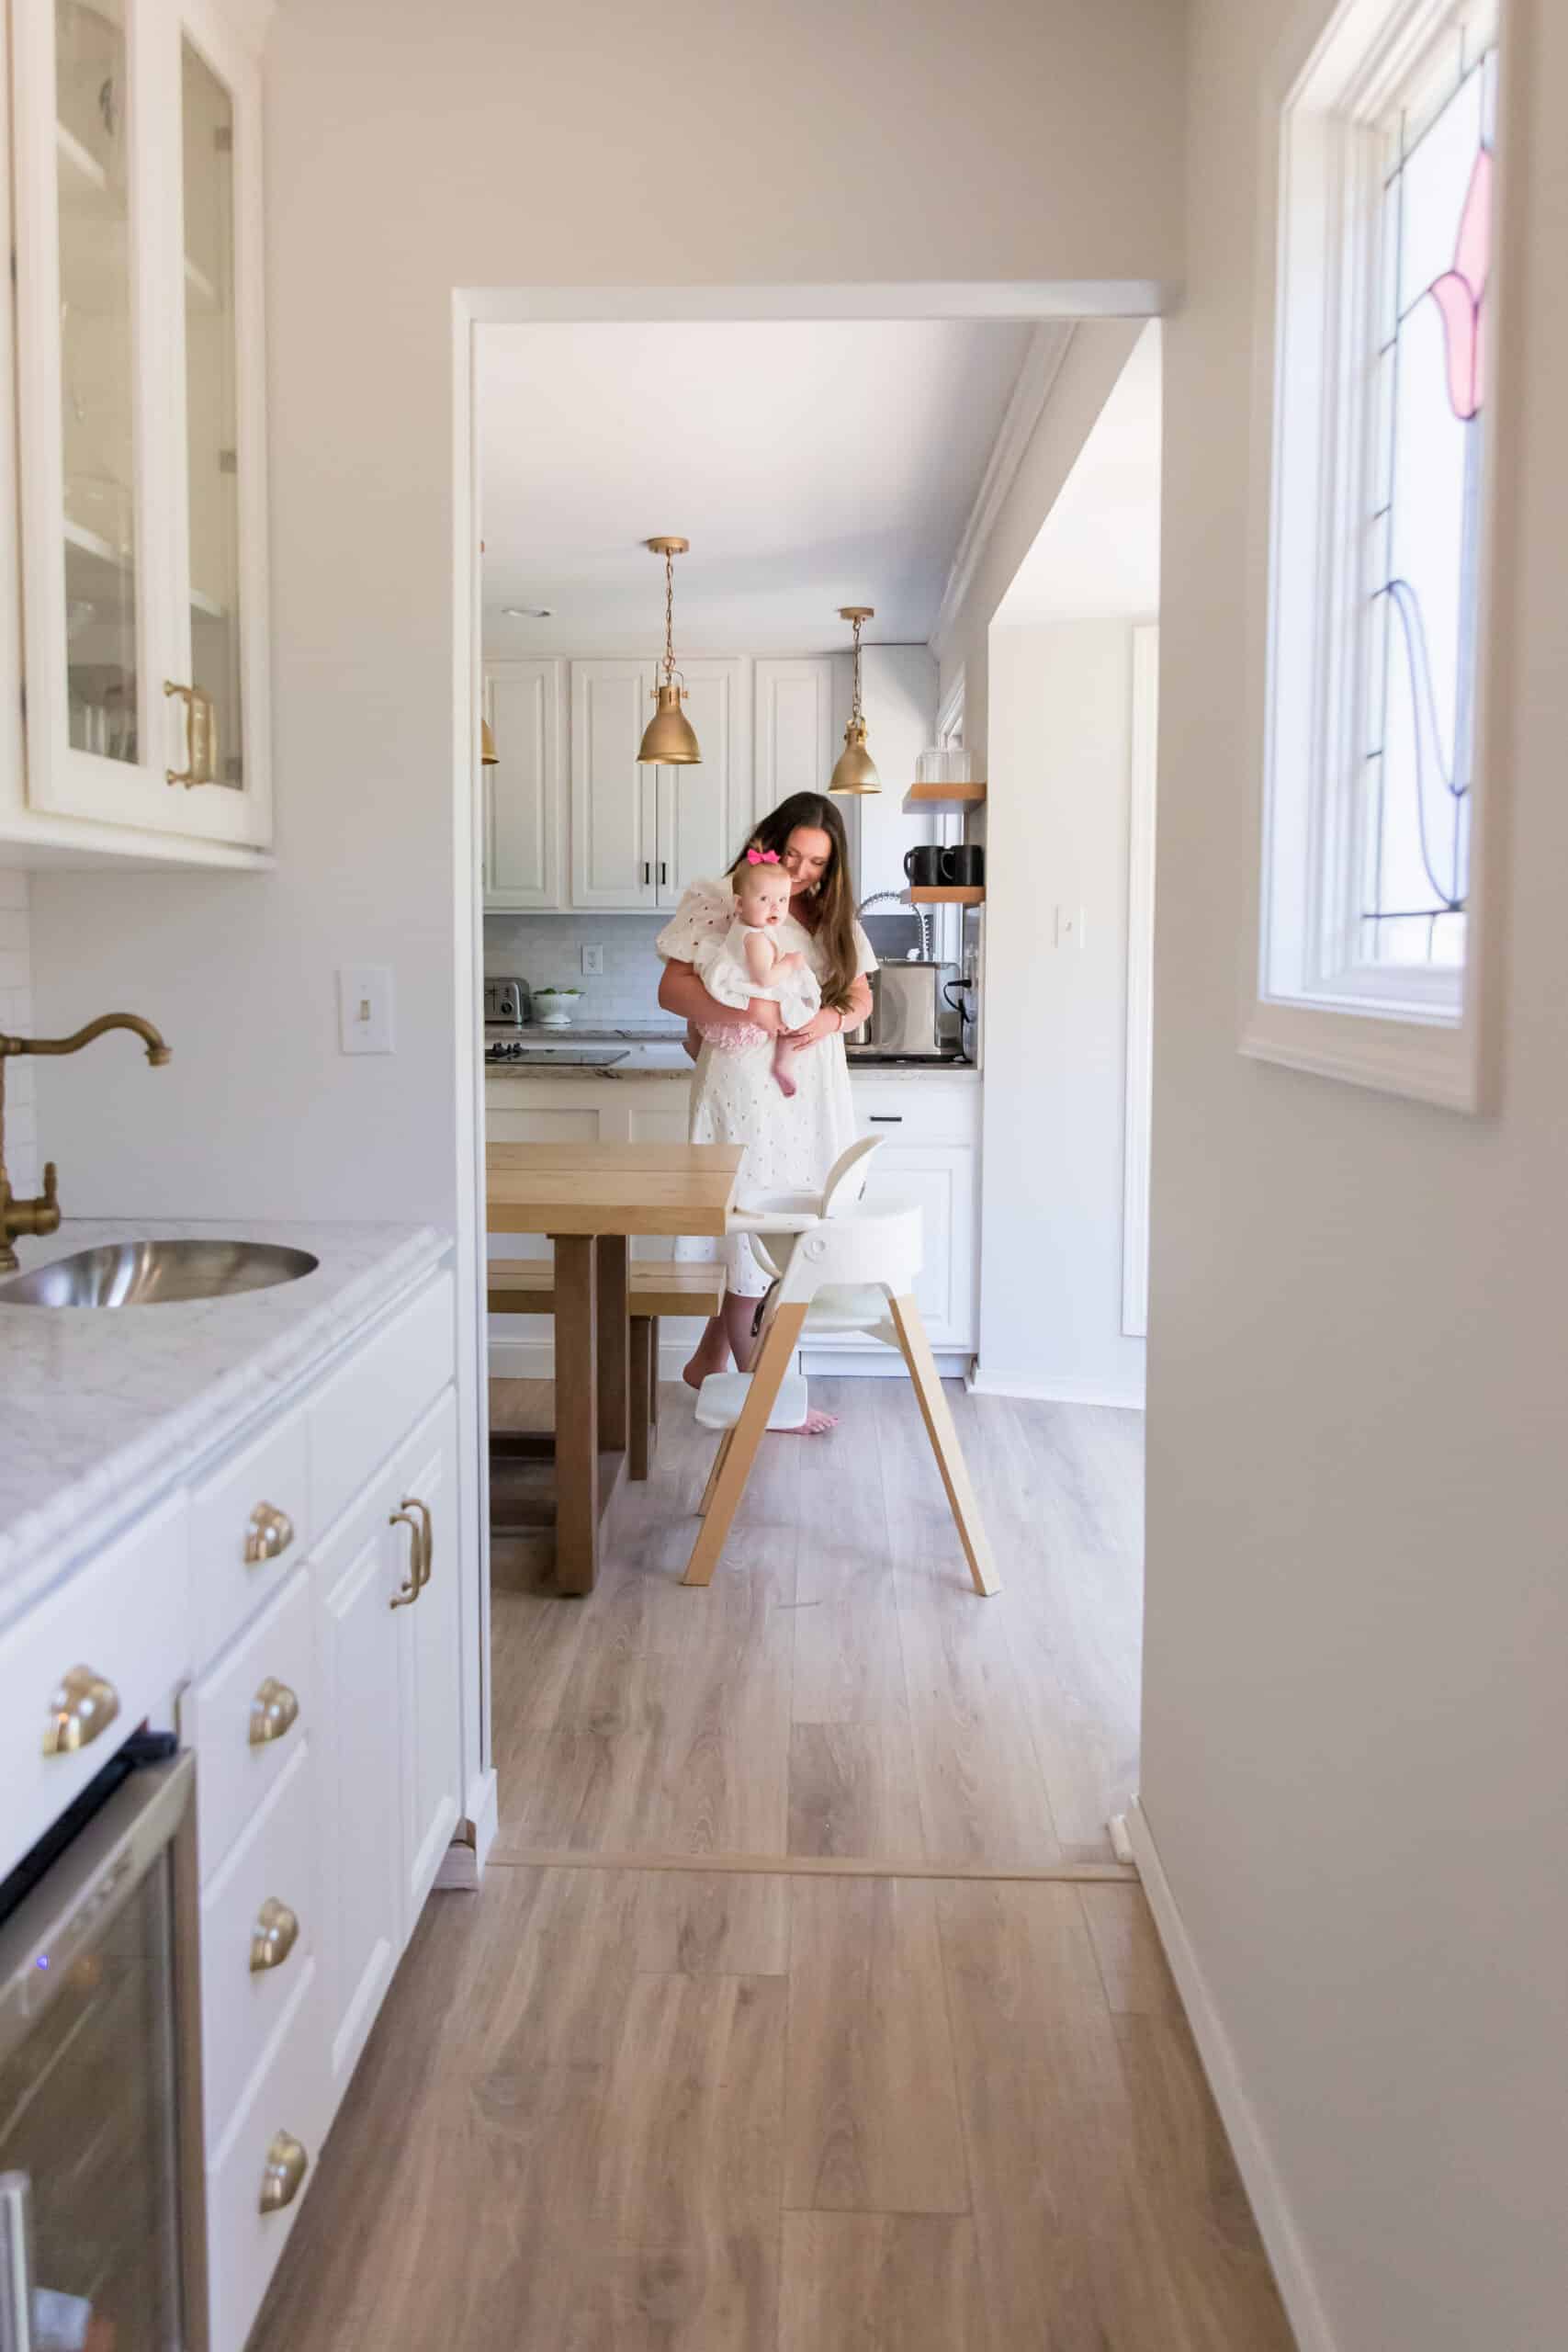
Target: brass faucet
42,1214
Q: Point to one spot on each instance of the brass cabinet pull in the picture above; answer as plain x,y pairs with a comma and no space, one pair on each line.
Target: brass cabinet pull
79,1711
271,1533
201,737
286,2165
427,1537
274,1936
273,1711
415,1585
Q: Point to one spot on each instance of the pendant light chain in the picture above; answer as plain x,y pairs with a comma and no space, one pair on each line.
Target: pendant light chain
856,712
668,614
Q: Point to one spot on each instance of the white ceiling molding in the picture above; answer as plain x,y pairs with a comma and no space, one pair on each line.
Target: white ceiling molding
1065,300
1041,362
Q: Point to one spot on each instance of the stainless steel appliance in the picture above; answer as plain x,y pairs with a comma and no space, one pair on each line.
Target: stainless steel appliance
100,2165
507,1004
911,1017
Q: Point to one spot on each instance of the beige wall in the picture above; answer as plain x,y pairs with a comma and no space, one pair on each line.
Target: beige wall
1355,1734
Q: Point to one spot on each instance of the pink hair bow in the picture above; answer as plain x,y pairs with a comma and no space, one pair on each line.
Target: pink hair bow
761,857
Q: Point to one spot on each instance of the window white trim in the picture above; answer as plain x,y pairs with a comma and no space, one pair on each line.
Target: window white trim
1416,1032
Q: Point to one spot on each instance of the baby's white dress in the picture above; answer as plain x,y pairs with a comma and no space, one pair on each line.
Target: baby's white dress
724,972
791,1140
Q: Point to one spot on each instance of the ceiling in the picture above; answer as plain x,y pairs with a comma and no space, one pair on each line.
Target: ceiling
811,464
1097,555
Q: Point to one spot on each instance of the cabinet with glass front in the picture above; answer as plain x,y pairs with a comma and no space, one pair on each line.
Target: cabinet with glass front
138,378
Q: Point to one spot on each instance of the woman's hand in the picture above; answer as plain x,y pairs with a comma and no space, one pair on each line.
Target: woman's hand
826,1023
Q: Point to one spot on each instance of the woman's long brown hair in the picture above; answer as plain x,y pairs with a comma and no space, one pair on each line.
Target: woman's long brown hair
832,910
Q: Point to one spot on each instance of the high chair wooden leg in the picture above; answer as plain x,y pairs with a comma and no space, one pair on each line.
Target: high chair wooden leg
938,1418
725,1441
734,1465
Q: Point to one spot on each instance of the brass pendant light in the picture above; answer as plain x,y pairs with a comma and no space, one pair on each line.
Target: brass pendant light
856,771
668,740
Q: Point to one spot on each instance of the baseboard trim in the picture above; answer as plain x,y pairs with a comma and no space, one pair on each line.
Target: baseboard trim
878,1364
1126,1395
462,1865
536,1359
1292,2271
508,1857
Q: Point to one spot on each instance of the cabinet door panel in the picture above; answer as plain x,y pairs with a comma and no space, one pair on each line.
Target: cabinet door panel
362,1774
429,1635
523,793
794,703
940,1180
613,831
700,820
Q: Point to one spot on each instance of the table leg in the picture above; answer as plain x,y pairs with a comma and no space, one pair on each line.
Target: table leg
644,1330
576,1412
614,1342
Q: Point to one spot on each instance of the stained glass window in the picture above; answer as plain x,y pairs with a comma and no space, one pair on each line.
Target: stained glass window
1423,528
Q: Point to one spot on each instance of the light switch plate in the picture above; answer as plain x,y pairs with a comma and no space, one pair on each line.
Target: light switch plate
364,1009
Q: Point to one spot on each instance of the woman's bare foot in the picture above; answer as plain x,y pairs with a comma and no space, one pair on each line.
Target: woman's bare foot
815,1424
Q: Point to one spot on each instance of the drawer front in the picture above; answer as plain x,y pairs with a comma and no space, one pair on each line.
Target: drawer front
248,1531
290,2096
267,1677
124,1622
273,1865
909,1108
367,1408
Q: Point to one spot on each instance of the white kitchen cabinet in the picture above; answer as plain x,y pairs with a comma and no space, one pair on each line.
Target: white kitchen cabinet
429,1631
524,795
793,723
139,384
640,835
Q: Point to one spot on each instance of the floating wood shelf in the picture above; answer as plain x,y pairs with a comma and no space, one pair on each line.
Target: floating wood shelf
942,796
946,894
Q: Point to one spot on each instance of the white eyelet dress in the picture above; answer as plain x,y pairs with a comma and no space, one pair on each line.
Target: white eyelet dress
791,1141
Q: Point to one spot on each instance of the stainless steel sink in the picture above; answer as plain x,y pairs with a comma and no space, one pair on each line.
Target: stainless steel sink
157,1273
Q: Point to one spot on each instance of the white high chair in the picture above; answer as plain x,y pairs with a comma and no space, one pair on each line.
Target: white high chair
845,1268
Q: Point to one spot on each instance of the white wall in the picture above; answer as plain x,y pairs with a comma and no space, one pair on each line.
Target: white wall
1355,1748
1060,757
22,1157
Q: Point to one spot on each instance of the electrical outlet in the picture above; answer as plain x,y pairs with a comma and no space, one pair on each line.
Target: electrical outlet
593,962
364,1009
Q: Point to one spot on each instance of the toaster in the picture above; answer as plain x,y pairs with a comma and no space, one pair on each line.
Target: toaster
910,1012
507,1004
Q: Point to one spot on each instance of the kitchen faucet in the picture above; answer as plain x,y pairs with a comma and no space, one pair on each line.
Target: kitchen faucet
897,896
42,1214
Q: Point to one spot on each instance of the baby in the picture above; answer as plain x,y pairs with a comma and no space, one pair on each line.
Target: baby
750,961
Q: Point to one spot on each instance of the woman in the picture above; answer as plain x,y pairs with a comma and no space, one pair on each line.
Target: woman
791,1141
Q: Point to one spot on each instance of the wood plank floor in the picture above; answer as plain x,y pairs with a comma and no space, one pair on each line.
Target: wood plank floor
645,2099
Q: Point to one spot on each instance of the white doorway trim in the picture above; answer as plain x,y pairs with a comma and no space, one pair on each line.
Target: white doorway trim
1140,982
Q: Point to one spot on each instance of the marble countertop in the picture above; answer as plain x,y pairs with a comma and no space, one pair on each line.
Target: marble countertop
103,1408
666,1061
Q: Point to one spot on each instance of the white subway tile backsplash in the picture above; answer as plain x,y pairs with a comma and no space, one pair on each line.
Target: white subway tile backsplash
547,952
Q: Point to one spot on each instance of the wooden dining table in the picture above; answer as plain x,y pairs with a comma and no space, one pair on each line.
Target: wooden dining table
591,1199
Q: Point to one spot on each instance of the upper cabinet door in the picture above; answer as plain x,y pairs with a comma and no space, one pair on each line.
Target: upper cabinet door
525,793
220,641
614,845
794,729
703,812
114,101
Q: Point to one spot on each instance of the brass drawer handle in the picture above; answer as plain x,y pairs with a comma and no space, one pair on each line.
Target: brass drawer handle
286,2165
274,1710
274,1936
427,1537
201,737
79,1711
411,1591
271,1533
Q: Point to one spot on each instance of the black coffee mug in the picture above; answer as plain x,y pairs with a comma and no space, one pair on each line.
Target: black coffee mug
962,865
922,864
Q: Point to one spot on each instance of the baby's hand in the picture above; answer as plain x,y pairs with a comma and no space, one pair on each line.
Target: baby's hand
794,963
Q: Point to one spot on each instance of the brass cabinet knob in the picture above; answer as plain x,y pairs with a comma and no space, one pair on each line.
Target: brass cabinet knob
286,2165
270,1532
79,1711
273,1711
274,1936
415,1585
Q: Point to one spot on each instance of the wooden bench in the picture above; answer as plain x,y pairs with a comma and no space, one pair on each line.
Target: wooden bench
528,1286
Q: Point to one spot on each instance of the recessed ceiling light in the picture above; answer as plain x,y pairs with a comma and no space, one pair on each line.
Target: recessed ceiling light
526,612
